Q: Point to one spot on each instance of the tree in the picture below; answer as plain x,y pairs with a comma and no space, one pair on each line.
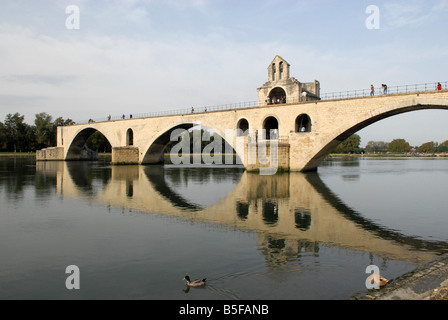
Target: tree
98,142
3,137
45,130
18,133
350,145
59,122
443,147
399,146
429,147
376,146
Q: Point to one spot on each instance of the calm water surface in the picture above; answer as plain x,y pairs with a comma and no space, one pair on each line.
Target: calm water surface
134,232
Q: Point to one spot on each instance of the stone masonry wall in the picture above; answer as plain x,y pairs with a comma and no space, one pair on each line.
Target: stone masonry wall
125,155
50,154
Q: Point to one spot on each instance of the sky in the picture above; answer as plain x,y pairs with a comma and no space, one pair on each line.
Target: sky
142,56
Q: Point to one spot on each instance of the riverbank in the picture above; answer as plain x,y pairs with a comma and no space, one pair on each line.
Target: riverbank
428,282
388,155
333,155
33,154
18,154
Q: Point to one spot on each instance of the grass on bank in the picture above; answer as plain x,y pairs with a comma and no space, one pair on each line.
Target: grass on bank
18,154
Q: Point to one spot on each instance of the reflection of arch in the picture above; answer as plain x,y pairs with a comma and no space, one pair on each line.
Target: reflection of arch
243,125
86,179
156,175
277,96
302,218
242,210
130,137
303,123
158,178
129,189
371,226
78,149
270,125
270,212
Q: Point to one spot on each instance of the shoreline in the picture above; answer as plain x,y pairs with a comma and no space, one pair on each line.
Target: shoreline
427,282
332,155
392,155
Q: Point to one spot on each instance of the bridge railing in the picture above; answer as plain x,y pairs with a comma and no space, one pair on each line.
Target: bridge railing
423,87
251,104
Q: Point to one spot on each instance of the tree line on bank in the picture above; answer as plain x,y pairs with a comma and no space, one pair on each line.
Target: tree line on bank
18,136
352,145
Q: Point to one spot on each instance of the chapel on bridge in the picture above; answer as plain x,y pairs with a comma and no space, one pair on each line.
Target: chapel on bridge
282,88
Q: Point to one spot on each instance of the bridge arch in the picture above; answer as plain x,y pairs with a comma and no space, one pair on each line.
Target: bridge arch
243,125
156,151
130,137
271,127
303,123
277,96
78,149
341,134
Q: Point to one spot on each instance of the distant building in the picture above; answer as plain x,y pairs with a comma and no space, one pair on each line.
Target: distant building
281,88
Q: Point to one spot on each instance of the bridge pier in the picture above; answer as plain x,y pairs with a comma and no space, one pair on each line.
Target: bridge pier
57,154
125,156
50,154
256,156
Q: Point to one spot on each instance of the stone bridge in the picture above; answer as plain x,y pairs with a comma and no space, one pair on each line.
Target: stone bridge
308,128
312,129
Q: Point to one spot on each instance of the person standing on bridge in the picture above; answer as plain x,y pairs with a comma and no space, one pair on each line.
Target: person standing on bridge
372,90
439,86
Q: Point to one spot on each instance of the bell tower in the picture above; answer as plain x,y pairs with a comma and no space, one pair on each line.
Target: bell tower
281,88
278,69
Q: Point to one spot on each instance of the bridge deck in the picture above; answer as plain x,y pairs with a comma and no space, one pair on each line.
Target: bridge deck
333,96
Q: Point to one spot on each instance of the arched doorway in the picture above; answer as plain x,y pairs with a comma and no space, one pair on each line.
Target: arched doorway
270,126
130,137
277,96
243,128
303,123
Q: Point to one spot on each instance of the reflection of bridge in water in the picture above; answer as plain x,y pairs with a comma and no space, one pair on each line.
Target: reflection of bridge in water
290,213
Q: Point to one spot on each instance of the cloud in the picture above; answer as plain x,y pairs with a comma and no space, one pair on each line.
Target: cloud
413,14
144,56
54,80
14,100
138,14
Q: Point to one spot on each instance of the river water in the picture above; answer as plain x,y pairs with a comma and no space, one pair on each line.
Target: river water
134,232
